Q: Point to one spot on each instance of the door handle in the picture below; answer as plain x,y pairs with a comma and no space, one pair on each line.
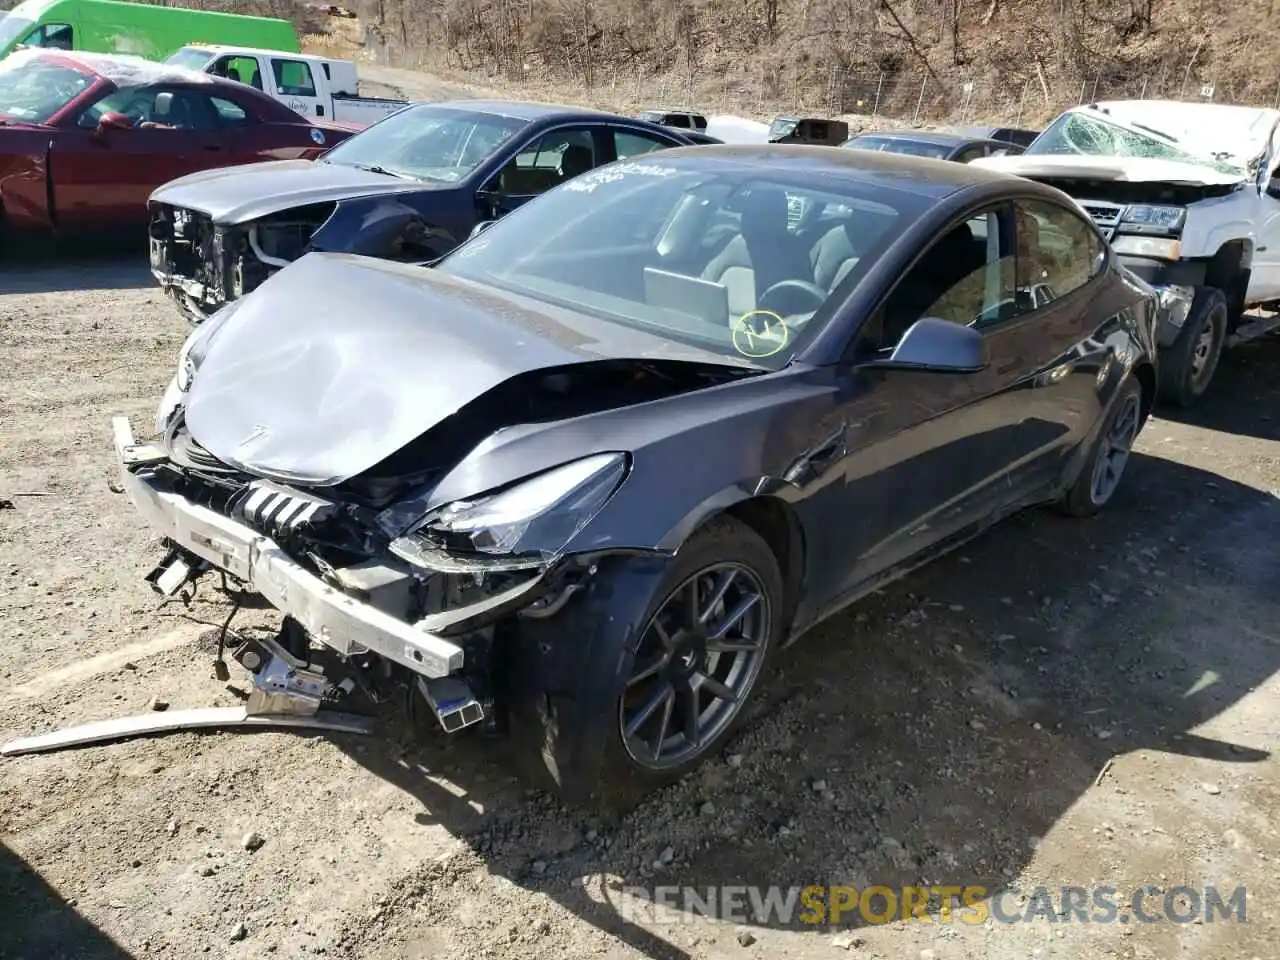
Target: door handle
213,147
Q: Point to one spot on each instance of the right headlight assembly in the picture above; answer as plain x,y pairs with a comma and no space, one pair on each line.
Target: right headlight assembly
524,525
190,356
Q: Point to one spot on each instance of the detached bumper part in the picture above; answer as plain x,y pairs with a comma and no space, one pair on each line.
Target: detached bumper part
329,616
1175,304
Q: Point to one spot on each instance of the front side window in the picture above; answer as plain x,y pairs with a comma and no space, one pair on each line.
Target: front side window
241,69
153,108
427,142
548,161
966,277
710,256
32,89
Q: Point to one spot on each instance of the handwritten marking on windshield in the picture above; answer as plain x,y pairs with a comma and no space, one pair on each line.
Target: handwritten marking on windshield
615,172
760,333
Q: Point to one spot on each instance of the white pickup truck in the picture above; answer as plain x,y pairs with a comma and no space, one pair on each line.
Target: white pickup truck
1188,194
312,86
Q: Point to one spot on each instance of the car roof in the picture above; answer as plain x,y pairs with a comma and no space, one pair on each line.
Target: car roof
526,110
923,136
123,69
919,175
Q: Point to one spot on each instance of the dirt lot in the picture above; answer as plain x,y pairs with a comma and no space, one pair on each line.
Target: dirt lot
957,724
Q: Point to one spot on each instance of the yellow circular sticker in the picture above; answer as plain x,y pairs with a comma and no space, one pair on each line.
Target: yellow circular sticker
760,333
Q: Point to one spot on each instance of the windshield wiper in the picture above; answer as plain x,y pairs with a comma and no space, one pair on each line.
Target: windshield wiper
374,168
1158,133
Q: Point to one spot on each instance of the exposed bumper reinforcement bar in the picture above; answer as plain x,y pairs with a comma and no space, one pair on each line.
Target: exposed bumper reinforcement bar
328,615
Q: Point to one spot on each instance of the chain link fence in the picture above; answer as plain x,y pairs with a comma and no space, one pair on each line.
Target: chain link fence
908,97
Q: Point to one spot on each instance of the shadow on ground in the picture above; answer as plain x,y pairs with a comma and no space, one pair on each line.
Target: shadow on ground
1240,398
936,731
96,263
37,924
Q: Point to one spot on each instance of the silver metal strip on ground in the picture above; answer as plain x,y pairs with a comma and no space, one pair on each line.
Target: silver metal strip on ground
201,718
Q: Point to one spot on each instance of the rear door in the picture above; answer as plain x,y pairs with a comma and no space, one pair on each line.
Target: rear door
104,179
298,87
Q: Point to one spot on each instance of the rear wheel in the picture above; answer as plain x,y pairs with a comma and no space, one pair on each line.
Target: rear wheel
1100,477
710,634
1188,364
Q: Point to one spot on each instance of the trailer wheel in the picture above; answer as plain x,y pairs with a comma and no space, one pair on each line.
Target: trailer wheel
1188,364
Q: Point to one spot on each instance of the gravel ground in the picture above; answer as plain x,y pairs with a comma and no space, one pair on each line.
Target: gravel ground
951,730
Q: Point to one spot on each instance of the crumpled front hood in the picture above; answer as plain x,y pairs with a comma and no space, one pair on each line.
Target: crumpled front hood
1079,166
338,361
235,194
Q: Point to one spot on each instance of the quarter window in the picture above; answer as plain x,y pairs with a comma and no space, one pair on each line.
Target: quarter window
634,144
1057,253
230,114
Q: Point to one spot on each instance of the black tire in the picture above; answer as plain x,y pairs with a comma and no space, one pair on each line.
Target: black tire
1188,364
723,540
1084,499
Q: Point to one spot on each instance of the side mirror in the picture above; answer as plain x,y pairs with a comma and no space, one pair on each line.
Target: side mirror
112,121
480,228
1273,188
939,346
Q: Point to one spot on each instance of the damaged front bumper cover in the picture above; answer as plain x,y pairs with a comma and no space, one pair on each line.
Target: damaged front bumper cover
329,616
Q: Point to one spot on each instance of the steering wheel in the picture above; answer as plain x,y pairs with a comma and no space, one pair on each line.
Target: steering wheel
780,290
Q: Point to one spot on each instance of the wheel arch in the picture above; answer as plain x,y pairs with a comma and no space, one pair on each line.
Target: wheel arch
776,522
1228,270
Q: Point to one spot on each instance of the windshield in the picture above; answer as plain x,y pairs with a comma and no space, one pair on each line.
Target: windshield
427,143
190,58
745,264
1089,135
13,28
33,89
782,128
915,148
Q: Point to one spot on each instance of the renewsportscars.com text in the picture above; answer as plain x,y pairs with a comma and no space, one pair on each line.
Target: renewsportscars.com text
971,904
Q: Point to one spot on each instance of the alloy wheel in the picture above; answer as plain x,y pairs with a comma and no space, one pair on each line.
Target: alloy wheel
1114,449
695,665
1202,355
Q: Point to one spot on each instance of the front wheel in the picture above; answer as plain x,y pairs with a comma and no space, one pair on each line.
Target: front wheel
710,633
1100,477
1188,364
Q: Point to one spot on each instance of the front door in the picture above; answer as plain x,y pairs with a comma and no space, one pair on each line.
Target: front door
104,177
928,454
1264,279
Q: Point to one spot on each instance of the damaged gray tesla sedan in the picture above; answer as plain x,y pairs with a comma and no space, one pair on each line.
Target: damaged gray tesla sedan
581,480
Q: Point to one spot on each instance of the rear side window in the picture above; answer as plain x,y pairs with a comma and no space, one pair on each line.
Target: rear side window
1057,252
293,78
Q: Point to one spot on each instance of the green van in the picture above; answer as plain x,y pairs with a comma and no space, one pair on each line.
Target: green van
110,26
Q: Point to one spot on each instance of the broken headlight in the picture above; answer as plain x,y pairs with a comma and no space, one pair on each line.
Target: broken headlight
524,525
1150,218
190,357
